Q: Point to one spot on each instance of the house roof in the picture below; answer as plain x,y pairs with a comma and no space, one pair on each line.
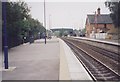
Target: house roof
101,19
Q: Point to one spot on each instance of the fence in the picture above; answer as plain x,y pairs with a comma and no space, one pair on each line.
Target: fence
98,35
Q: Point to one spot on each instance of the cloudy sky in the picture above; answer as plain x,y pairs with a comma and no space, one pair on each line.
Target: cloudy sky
65,14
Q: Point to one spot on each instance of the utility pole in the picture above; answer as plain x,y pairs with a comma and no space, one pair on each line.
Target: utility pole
5,35
45,20
50,21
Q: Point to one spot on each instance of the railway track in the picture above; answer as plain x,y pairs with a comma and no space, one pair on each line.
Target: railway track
113,55
97,69
102,55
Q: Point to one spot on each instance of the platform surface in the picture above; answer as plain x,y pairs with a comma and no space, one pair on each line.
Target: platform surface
37,61
114,42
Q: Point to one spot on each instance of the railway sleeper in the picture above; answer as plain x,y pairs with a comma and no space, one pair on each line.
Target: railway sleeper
111,78
105,74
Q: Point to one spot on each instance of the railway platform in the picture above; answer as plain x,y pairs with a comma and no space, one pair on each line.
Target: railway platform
37,61
108,41
111,45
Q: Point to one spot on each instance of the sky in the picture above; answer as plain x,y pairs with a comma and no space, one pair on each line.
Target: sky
65,13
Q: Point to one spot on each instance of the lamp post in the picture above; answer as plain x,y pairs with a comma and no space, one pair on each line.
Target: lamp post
5,35
45,20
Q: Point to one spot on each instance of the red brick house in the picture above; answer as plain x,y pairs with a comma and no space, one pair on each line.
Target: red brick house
99,23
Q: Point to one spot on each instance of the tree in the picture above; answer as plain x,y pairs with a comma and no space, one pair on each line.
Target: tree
57,33
20,23
15,13
114,7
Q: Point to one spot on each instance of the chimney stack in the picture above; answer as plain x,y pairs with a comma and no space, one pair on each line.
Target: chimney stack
98,11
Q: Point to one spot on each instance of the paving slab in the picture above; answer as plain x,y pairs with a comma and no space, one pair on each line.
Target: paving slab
37,61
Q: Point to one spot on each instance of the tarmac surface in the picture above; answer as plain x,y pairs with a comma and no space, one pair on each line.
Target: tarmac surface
37,61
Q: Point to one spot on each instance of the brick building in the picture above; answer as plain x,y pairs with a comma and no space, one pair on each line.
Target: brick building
99,24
